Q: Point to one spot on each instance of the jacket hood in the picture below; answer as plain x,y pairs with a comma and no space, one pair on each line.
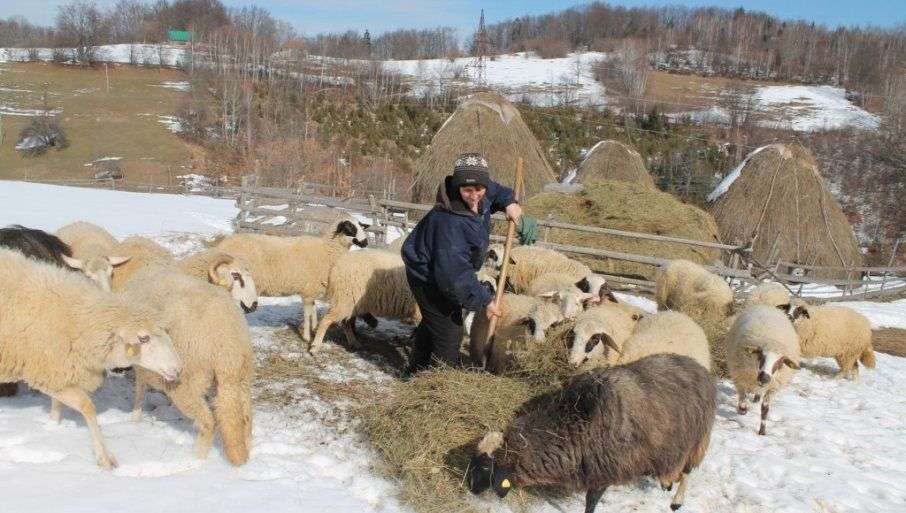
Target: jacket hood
448,199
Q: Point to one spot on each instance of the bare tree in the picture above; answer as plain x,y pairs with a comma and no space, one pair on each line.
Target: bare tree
79,26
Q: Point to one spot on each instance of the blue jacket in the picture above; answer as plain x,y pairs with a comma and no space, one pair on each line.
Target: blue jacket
451,242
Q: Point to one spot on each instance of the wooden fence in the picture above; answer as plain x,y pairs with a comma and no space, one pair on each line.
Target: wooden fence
292,212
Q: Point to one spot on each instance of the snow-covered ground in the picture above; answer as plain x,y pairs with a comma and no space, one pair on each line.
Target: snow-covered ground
137,53
832,446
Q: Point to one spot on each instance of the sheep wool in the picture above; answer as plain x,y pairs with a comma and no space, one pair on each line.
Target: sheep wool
688,287
839,333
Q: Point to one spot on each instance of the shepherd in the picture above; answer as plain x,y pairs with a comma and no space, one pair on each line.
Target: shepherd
443,253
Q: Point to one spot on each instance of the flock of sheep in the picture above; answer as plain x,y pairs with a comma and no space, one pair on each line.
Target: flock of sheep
83,302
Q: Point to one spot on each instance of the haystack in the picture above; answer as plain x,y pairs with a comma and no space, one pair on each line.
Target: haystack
613,160
779,203
629,207
489,124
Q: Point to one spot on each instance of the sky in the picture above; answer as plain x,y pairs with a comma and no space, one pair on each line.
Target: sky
313,16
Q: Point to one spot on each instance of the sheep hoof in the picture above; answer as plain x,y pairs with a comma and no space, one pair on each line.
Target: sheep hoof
667,488
761,431
107,462
674,507
137,416
742,410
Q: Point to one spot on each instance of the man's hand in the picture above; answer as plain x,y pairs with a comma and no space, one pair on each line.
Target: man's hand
513,212
492,310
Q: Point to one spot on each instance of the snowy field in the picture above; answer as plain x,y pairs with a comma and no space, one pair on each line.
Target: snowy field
831,447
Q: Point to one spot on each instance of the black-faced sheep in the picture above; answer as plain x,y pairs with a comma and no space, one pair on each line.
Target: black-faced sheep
762,352
598,336
607,427
211,338
59,332
366,282
688,287
520,314
285,266
224,270
835,332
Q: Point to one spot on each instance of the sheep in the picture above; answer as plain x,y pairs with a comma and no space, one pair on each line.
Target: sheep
520,313
836,332
284,266
688,287
530,262
59,332
366,282
488,277
762,352
562,289
600,332
94,251
224,270
141,252
667,332
212,339
769,293
652,417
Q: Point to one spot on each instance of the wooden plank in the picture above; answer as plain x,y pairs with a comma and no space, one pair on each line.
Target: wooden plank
832,268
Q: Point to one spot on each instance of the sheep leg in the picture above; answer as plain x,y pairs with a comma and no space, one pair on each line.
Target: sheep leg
139,397
323,324
680,495
78,400
742,406
592,498
55,413
349,329
309,318
765,406
196,408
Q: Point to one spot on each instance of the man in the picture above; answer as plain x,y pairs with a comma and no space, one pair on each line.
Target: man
443,252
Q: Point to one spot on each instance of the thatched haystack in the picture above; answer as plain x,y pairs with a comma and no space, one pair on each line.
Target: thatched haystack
613,160
629,207
781,205
489,124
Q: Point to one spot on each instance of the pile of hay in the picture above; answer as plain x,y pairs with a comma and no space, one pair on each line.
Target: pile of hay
780,204
488,124
428,429
630,207
613,160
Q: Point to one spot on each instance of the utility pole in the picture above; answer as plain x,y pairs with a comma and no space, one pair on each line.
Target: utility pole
481,48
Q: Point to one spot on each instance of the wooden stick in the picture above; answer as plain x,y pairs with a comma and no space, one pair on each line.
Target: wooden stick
501,281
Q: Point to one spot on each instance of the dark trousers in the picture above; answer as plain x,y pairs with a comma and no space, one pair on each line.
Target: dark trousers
438,337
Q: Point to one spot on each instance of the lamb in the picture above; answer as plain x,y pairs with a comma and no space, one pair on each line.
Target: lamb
612,426
224,270
667,332
762,352
141,252
519,313
688,287
836,332
58,332
284,266
600,332
366,282
530,262
94,249
212,339
769,293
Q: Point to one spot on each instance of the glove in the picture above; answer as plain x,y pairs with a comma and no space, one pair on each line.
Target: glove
527,230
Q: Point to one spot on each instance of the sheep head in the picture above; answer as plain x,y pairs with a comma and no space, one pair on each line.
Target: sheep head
150,349
585,347
484,472
226,272
98,269
353,231
769,363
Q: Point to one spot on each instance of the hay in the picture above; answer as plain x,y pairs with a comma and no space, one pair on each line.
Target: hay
780,202
613,160
489,124
630,207
427,430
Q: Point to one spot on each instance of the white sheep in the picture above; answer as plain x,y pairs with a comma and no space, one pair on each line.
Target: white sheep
142,252
59,332
599,333
563,290
521,314
835,332
529,262
285,266
667,332
224,270
688,287
769,293
93,251
211,338
370,281
762,352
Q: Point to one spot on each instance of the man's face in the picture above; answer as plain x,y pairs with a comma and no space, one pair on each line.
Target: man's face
472,194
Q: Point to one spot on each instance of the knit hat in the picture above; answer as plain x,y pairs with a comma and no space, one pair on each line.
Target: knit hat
470,169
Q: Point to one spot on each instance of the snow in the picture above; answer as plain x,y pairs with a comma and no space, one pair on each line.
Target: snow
176,86
174,124
101,159
32,141
813,108
138,53
731,177
12,111
831,446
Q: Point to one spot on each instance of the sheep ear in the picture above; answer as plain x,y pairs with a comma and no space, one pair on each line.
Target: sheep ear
785,308
790,363
512,261
346,228
801,311
589,301
74,263
529,324
118,260
583,285
490,443
607,294
609,342
637,317
551,297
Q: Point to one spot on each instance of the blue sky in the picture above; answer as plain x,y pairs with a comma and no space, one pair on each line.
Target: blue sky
312,16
